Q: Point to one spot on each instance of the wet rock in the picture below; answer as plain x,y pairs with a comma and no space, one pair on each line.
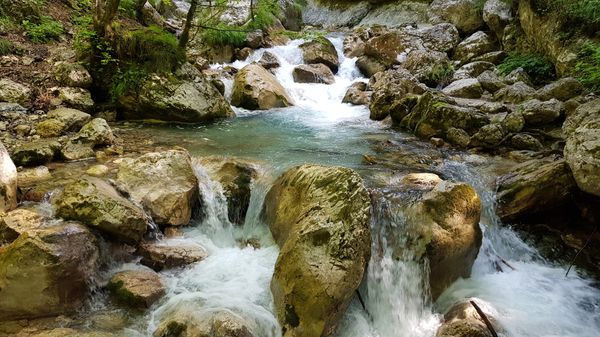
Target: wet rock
538,113
467,88
586,112
320,51
523,141
313,73
77,98
582,153
319,216
490,81
17,222
72,75
354,43
35,153
473,46
77,151
461,13
390,88
458,137
463,320
68,332
472,70
534,187
515,93
164,183
13,92
47,271
357,94
489,136
497,14
255,88
216,324
72,119
369,66
97,204
97,171
243,54
96,132
269,61
32,176
429,67
159,256
136,288
562,90
176,100
8,181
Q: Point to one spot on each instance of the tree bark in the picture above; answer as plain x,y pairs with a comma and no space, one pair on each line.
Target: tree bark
189,20
105,12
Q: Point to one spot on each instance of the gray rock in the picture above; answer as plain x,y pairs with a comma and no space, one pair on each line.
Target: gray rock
489,136
515,93
461,13
563,89
490,81
583,114
269,61
538,113
255,88
72,75
35,153
473,46
357,94
497,14
77,98
523,141
96,132
514,122
582,153
13,92
518,75
442,37
429,67
369,66
313,73
467,88
320,51
458,137
472,70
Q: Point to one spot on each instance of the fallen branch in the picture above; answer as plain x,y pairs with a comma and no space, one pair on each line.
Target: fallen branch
484,318
360,299
581,250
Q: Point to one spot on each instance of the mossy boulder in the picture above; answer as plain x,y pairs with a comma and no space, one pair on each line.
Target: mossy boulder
164,183
8,181
473,46
321,51
36,152
319,216
13,92
72,118
97,204
76,98
390,88
582,153
47,271
17,222
50,128
136,288
72,75
255,88
97,133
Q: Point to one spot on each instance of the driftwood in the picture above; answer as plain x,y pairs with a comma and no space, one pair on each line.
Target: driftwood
360,299
587,242
484,318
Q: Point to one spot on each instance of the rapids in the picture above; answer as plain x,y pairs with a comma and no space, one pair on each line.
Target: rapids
536,299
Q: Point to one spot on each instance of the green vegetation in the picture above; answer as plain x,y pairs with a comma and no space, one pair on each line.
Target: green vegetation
222,34
46,30
150,47
577,15
6,47
128,8
440,74
539,69
128,80
587,69
6,24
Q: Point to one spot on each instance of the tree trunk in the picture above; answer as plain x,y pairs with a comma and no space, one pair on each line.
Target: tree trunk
185,34
105,11
139,10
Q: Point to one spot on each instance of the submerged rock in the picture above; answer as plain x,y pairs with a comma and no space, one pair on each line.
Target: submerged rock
313,73
36,152
159,256
136,288
47,271
198,324
321,51
255,88
164,183
319,216
8,181
463,320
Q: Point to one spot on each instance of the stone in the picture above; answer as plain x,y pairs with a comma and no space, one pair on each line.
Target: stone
497,15
96,132
173,99
513,122
458,137
97,204
562,90
582,153
17,222
164,183
73,150
387,47
68,332
8,181
72,75
390,88
97,170
515,93
461,13
442,37
50,128
46,271
369,66
490,81
467,88
72,119
35,153
534,187
136,288
354,42
584,113
463,320
473,46
518,75
255,88
489,136
243,54
319,216
313,73
32,176
269,61
13,92
429,67
472,70
523,141
495,57
166,255
538,113
321,51
77,98
357,94
204,324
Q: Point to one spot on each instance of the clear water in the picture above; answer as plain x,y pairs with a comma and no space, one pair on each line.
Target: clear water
534,300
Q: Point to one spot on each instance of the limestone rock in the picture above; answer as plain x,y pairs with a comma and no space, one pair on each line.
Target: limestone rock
255,88
96,132
537,113
389,90
72,119
13,92
74,150
473,46
50,128
467,88
582,153
35,153
136,288
523,141
472,70
584,113
33,176
269,61
489,136
513,122
458,137
214,324
515,93
497,14
17,222
461,13
357,94
463,320
72,75
167,255
8,181
562,90
320,51
429,67
77,98
490,81
369,66
313,73
442,37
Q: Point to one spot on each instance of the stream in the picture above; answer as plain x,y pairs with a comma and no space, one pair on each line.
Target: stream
534,300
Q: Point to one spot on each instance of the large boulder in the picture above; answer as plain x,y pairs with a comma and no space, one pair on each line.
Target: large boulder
47,271
164,183
464,14
463,320
584,113
538,113
255,88
97,133
442,37
13,92
77,98
497,15
582,153
176,100
389,91
136,288
515,93
357,94
72,119
490,81
472,70
387,47
97,204
188,323
369,66
319,216
473,46
166,255
36,152
466,88
8,181
562,90
534,187
72,75
429,67
321,51
313,73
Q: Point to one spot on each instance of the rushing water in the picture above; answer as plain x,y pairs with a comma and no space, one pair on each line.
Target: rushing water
535,299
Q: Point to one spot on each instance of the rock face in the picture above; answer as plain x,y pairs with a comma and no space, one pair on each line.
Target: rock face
13,92
313,73
136,288
497,14
582,153
159,256
461,13
176,100
255,88
215,324
97,204
462,320
321,51
46,271
164,183
8,181
534,187
319,216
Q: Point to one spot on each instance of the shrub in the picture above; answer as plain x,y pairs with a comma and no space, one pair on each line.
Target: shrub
128,8
539,69
84,33
6,47
128,80
222,35
150,47
587,69
46,30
